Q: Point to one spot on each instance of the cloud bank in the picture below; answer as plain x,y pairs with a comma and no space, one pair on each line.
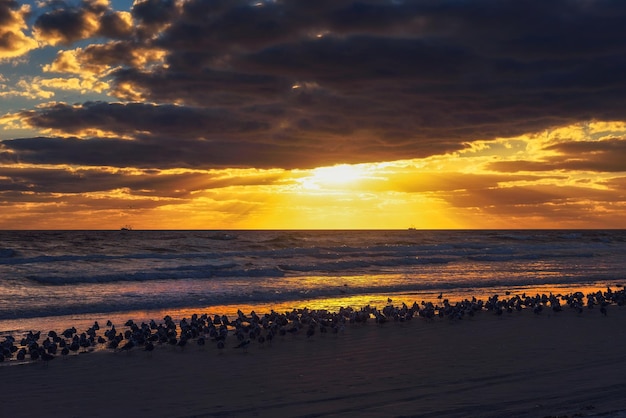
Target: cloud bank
483,109
296,84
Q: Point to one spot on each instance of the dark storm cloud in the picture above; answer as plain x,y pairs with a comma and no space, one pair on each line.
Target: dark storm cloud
154,12
135,118
170,136
7,157
110,54
7,16
170,152
531,206
526,200
66,23
57,180
15,181
303,83
600,156
113,26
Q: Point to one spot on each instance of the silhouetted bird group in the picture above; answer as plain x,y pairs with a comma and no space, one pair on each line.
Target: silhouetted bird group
246,330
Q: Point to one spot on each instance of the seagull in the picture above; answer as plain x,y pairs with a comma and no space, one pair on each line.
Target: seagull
244,345
69,332
149,347
128,346
75,346
45,356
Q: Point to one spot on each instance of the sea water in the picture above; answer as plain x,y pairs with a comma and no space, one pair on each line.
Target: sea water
52,279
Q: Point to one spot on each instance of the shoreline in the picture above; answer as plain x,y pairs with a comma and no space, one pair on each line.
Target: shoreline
83,321
519,363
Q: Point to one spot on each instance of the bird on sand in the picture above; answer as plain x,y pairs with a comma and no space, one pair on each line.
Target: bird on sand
128,346
243,345
148,347
45,356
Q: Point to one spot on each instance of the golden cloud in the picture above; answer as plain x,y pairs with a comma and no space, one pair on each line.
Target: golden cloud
28,88
70,61
13,41
85,26
93,64
84,85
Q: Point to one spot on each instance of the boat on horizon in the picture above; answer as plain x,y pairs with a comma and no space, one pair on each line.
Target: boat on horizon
126,228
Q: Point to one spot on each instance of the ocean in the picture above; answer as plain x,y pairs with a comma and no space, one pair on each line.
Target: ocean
55,279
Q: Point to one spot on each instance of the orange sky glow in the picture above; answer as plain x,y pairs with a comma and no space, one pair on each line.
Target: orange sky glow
153,116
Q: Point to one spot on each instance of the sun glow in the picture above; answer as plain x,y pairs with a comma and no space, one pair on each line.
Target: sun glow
337,176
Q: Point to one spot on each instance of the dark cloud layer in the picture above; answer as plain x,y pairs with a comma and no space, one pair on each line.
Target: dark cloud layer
309,83
147,183
600,156
67,23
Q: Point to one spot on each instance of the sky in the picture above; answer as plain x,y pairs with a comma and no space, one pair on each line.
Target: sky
325,114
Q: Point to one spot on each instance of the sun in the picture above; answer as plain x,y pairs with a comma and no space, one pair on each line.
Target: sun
337,176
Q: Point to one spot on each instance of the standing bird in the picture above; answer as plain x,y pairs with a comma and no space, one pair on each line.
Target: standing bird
128,346
149,347
47,357
243,345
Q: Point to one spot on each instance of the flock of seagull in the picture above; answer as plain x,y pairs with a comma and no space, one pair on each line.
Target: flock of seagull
244,330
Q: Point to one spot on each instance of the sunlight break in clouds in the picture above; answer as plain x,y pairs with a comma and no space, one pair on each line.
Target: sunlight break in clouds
298,114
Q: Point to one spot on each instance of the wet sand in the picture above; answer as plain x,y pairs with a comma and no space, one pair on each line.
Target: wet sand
518,364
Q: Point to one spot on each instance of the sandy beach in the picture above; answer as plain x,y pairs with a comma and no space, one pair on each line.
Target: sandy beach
518,364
